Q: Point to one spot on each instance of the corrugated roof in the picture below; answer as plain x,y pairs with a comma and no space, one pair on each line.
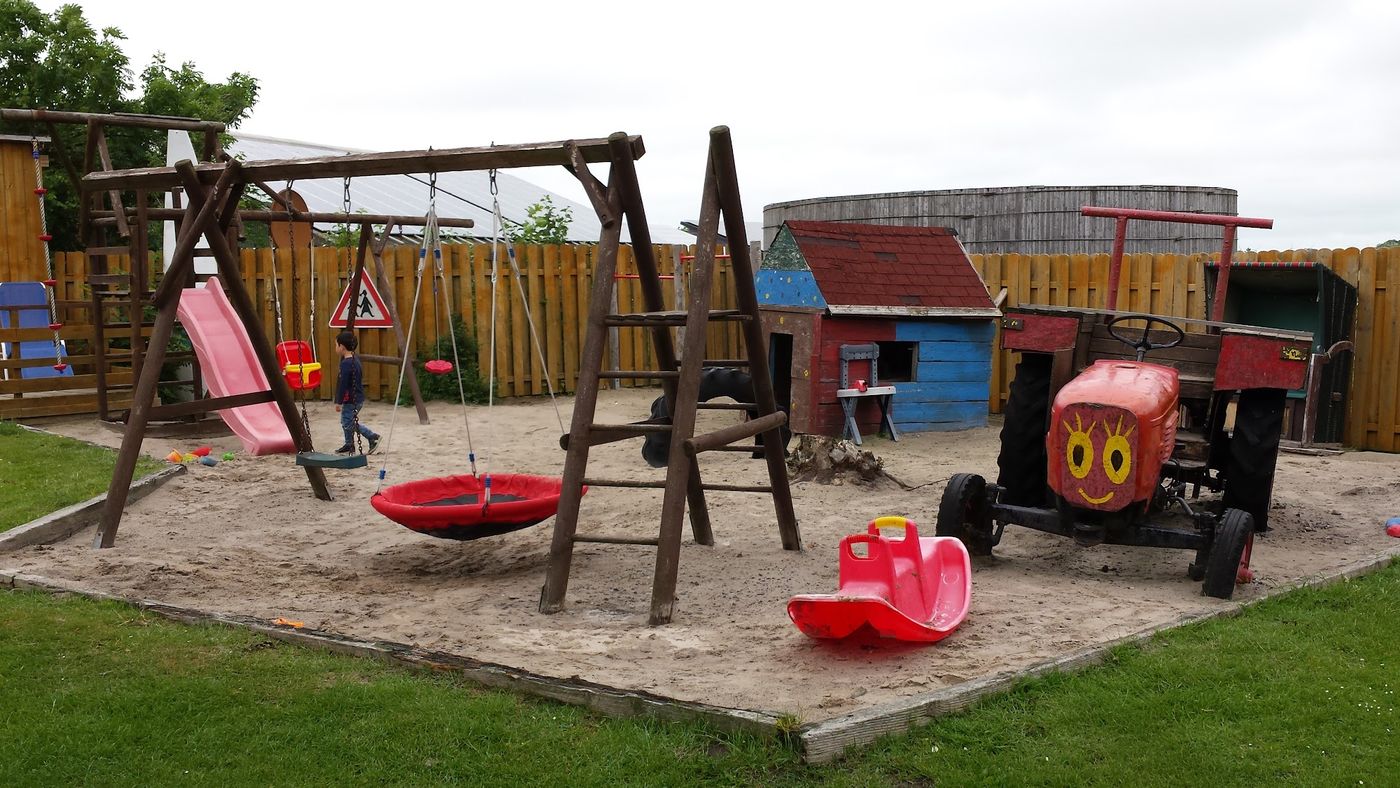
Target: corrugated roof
906,269
464,195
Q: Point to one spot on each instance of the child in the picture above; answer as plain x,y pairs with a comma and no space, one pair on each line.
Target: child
350,394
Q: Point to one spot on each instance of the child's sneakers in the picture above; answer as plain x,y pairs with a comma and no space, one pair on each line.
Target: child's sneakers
346,449
373,444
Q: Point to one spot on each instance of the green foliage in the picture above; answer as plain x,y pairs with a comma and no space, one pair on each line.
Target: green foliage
59,61
1388,244
44,473
445,386
547,223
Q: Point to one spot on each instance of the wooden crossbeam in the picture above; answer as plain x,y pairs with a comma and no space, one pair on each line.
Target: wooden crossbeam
538,154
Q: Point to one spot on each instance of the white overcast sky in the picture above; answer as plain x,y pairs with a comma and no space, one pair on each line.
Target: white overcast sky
1294,104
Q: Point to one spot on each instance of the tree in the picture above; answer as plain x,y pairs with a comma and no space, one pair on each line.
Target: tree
546,223
1388,244
59,61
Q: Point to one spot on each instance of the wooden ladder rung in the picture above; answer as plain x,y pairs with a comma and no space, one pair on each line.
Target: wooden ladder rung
743,448
724,362
639,374
726,406
670,317
104,251
636,427
109,279
653,542
635,484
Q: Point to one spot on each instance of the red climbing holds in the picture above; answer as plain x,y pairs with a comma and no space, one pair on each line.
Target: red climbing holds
50,283
60,367
46,238
41,191
55,326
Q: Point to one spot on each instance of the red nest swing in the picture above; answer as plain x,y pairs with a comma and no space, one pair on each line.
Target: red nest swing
468,506
453,507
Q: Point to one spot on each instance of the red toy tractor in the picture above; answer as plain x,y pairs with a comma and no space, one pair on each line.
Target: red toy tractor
1116,421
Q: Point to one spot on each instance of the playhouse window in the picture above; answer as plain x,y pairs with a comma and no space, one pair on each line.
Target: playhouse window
898,361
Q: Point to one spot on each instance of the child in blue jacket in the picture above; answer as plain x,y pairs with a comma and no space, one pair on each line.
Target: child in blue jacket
350,394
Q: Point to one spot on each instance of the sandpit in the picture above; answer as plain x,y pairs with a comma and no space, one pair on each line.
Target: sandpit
247,538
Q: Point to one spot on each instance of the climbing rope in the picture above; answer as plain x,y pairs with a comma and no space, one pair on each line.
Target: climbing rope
497,228
431,240
50,282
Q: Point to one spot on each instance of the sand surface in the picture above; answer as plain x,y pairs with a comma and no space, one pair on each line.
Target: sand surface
247,537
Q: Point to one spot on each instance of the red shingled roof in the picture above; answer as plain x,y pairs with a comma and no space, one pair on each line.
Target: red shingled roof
889,266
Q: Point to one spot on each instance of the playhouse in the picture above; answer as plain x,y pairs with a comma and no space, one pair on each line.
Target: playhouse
883,307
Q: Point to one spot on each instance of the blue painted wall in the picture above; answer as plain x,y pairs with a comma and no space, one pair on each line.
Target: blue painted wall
953,375
784,278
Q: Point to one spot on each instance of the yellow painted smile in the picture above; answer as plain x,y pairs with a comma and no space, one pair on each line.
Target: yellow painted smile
1095,501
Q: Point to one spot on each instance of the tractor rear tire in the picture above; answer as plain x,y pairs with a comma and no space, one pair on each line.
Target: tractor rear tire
963,513
1226,551
1021,463
1249,475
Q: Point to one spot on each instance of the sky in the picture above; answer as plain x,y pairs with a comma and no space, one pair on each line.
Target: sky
1293,104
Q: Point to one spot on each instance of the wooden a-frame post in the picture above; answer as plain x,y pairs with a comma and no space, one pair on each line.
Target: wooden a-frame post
209,213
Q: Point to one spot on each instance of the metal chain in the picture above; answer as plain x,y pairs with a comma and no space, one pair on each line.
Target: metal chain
494,188
50,283
345,197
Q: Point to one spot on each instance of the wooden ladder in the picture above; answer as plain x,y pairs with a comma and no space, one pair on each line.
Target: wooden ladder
679,376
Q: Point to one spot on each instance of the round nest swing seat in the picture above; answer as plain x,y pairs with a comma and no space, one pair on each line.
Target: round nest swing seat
451,507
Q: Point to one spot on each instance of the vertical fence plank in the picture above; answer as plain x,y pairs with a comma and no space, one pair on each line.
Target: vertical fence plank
568,296
553,308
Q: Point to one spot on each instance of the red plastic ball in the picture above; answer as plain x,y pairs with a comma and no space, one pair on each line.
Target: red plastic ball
1393,530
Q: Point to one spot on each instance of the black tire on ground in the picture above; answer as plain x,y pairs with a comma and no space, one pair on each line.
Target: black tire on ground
1249,475
714,382
963,513
1021,462
1223,564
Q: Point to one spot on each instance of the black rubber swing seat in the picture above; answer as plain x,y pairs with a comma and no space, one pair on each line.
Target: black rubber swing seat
320,459
452,507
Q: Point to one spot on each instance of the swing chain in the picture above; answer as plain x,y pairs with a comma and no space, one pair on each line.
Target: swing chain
345,197
494,188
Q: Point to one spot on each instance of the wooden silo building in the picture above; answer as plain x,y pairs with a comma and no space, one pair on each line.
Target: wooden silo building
1025,219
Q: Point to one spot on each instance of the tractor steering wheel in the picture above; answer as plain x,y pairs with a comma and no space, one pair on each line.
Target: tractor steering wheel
1144,343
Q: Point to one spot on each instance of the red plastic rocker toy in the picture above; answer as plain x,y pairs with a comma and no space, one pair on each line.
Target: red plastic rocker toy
916,588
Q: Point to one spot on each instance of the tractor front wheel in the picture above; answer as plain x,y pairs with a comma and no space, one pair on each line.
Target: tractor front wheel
963,513
1232,533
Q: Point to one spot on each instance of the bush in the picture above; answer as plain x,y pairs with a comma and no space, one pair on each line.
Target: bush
445,386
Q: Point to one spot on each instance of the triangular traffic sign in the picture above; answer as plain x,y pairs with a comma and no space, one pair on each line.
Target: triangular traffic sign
370,311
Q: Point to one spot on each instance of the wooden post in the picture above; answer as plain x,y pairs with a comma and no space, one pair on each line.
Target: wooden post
144,393
648,277
682,409
561,548
727,184
247,312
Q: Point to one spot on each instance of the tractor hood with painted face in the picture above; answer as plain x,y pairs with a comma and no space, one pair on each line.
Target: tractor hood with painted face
1111,428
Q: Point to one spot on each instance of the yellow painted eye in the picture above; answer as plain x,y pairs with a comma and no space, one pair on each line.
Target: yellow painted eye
1118,454
1079,449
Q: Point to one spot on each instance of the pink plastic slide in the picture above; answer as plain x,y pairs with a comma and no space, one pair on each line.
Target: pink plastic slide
230,366
915,588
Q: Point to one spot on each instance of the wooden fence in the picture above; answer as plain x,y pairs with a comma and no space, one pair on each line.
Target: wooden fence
1169,284
558,280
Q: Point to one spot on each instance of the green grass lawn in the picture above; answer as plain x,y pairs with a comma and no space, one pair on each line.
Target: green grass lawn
1299,689
44,473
